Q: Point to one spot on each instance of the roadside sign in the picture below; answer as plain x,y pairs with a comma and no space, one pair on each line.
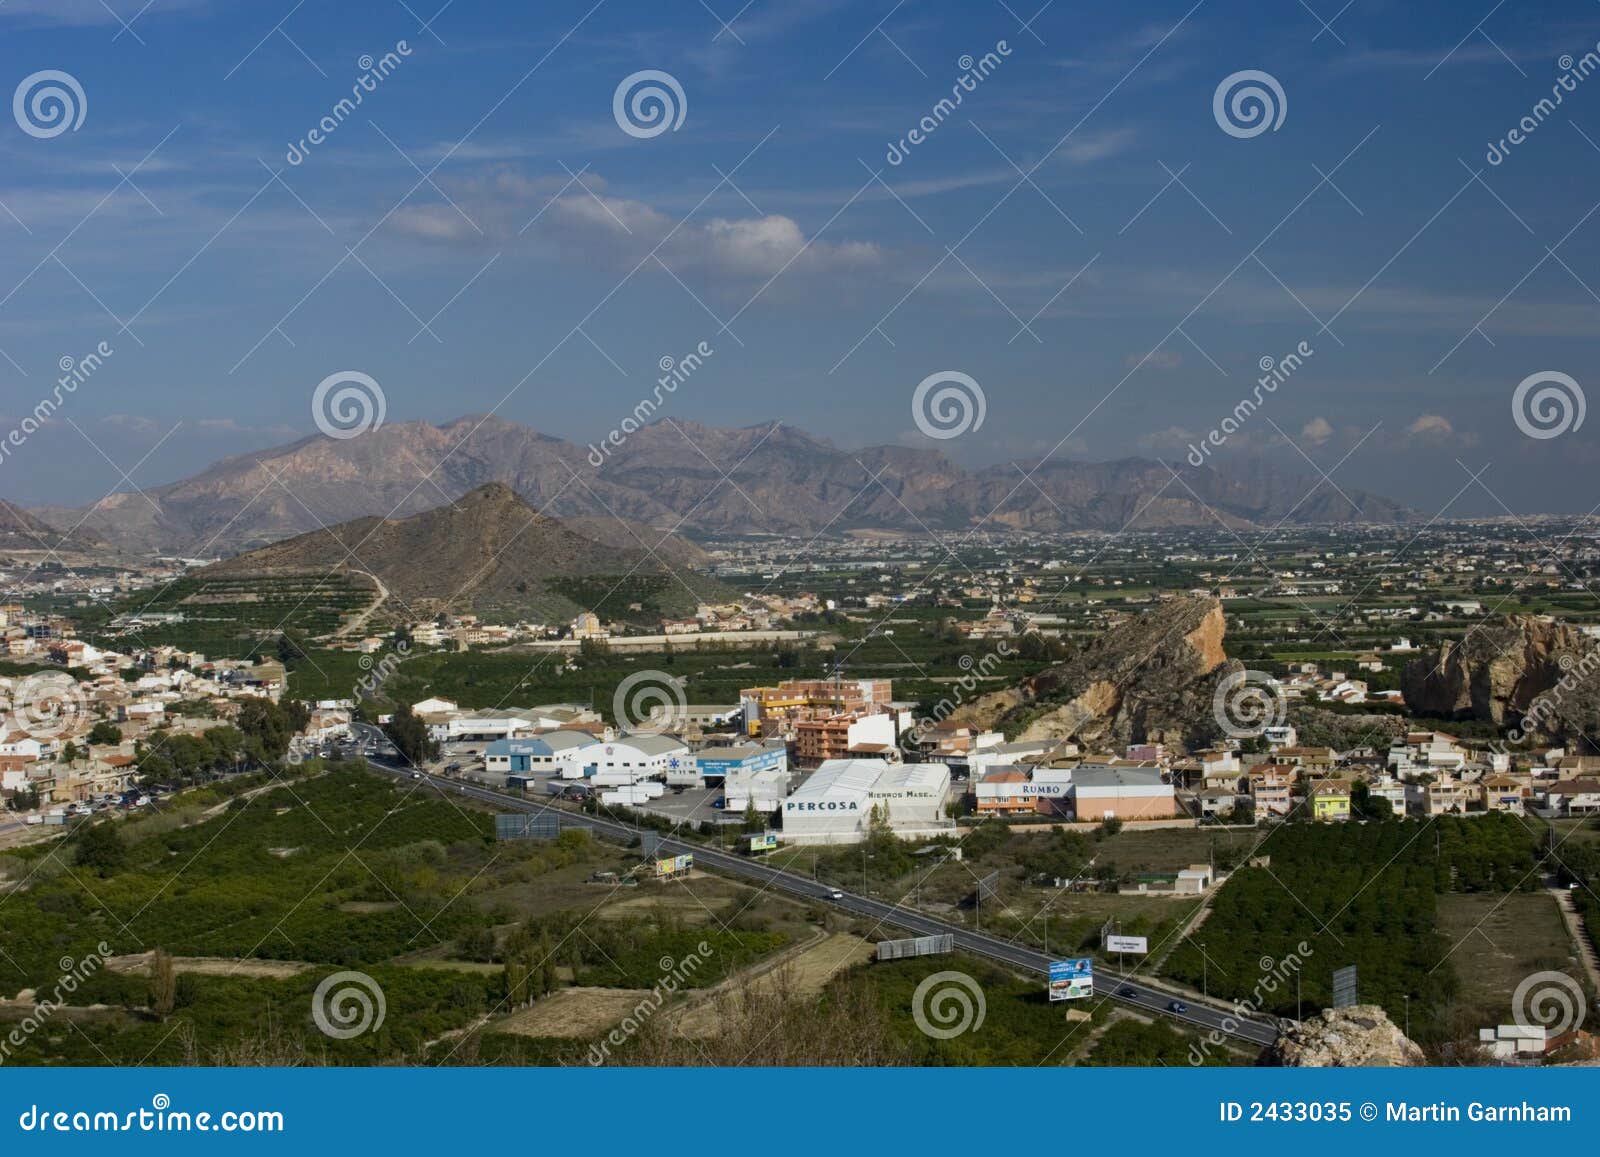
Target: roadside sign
1071,979
1139,944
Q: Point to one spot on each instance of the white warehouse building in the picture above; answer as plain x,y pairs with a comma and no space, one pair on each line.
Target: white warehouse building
835,805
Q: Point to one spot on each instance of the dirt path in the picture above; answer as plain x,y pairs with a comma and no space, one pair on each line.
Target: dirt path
803,969
1579,934
360,620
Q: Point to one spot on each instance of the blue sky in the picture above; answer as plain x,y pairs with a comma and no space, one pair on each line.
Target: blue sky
481,234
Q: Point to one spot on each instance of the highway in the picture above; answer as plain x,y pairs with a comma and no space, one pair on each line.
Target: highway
1208,1015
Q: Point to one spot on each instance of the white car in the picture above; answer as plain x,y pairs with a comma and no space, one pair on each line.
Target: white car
836,895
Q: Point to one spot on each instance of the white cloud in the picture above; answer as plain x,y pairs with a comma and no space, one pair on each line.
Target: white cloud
580,218
1317,431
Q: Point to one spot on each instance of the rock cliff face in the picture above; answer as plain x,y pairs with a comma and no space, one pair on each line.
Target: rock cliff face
1517,672
1361,1036
1149,680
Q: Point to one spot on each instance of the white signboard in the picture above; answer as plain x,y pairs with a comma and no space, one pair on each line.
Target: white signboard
1140,944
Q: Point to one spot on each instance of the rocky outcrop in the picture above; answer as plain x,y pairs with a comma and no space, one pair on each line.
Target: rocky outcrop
1148,680
1361,1036
1519,672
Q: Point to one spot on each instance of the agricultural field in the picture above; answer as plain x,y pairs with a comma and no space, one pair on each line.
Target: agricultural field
257,900
1495,941
232,617
1384,897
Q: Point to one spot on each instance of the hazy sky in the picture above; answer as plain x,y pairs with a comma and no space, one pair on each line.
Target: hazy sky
1082,235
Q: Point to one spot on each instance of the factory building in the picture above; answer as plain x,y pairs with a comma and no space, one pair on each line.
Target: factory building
836,804
548,752
749,773
1102,791
1024,790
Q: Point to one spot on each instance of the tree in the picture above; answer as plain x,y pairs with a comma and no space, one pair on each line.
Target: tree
100,849
69,753
163,984
105,734
410,736
24,799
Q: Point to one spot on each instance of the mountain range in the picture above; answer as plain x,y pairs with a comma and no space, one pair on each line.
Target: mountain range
704,480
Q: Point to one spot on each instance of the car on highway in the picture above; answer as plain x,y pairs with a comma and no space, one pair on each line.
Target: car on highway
416,775
1127,993
836,895
1177,1006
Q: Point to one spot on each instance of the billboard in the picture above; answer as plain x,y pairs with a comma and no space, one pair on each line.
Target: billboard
1071,979
674,865
766,842
916,946
1140,944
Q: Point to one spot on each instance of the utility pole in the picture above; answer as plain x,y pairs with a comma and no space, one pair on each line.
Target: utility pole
1205,972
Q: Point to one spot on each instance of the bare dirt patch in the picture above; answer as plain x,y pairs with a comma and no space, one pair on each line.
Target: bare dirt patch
139,963
574,1013
801,971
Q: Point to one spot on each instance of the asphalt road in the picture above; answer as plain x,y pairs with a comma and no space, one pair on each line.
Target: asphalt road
1209,1015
